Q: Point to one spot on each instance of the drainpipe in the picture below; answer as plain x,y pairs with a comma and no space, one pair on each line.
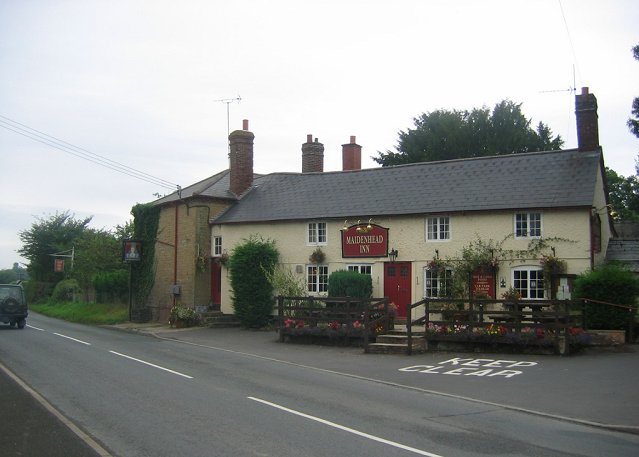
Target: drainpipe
175,249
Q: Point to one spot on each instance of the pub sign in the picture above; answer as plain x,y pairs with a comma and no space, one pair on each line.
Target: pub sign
365,240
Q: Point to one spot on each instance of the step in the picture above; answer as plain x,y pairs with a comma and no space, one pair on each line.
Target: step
219,320
393,348
397,338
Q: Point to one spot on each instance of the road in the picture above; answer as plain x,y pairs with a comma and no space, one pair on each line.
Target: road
143,396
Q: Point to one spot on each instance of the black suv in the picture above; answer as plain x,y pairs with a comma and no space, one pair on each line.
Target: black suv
13,305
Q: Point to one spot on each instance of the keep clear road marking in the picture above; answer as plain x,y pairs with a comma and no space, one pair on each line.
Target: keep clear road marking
152,365
72,339
347,429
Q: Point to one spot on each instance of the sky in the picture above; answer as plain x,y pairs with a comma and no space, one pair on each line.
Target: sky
154,85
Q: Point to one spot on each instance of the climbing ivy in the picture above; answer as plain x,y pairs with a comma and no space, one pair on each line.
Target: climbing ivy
480,254
146,218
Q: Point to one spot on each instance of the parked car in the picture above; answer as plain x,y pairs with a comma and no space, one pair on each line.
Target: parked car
13,305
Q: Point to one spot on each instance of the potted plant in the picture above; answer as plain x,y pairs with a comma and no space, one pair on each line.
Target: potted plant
317,257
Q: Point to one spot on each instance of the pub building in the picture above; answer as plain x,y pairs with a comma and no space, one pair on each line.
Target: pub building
393,222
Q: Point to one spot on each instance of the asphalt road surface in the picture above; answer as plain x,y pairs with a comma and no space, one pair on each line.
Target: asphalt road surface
141,396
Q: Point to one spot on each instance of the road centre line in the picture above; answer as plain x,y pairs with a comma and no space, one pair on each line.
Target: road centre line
152,365
346,429
72,339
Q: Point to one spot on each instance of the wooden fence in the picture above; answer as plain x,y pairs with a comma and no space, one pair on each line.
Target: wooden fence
337,317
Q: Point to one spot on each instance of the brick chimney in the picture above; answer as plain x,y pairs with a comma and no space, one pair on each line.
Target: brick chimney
587,121
241,159
312,156
351,156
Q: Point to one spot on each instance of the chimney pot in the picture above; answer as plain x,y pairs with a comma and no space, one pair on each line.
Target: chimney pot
587,121
351,155
241,159
312,155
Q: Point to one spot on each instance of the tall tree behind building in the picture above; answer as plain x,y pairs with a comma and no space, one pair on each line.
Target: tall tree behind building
445,135
633,122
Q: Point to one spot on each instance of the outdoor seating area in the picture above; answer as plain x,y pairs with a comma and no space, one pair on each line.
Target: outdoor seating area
346,320
543,326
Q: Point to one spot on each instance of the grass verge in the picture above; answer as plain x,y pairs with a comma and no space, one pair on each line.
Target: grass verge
85,313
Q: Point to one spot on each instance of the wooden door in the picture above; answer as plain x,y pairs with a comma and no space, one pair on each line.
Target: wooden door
397,285
216,284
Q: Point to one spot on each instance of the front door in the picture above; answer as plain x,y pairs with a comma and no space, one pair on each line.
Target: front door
397,285
216,284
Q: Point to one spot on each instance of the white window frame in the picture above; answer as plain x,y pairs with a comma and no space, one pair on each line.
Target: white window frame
314,282
363,268
535,287
439,235
428,283
528,216
217,246
316,233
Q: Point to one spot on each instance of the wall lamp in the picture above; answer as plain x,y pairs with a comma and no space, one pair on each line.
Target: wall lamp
393,255
366,229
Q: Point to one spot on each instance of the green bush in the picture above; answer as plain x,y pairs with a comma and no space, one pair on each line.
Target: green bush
65,291
612,284
111,286
345,283
37,291
250,266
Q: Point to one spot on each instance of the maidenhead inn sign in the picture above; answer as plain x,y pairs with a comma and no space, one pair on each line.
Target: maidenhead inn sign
365,240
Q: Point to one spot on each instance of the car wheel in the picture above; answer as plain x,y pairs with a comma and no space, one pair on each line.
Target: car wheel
12,324
22,323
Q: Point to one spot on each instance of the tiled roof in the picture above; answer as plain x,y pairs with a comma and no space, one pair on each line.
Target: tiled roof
216,186
515,181
624,250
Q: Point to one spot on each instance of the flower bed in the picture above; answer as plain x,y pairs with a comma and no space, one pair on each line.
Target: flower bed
501,338
334,332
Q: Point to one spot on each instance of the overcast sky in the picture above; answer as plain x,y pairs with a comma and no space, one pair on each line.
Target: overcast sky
140,82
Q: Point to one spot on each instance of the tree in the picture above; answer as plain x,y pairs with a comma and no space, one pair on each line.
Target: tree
250,266
96,251
49,236
445,135
633,124
609,283
623,194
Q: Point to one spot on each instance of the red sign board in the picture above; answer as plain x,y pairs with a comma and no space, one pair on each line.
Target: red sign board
58,265
132,250
365,240
483,284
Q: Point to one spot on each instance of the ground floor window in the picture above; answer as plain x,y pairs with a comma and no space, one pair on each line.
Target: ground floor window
437,283
363,269
529,282
317,278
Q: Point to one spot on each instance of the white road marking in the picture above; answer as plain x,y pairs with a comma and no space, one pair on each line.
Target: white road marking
152,365
72,339
346,429
35,328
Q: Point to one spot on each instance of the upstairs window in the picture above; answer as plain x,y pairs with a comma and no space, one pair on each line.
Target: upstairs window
316,233
217,246
438,228
527,225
